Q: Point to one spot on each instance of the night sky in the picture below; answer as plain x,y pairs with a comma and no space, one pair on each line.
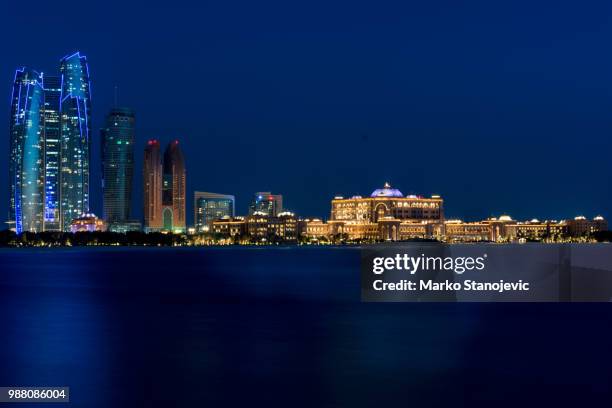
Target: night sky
499,106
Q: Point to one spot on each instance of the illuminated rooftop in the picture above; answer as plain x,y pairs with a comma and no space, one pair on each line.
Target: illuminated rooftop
386,191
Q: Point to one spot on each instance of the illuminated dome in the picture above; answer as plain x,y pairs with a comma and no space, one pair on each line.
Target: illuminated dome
505,218
386,191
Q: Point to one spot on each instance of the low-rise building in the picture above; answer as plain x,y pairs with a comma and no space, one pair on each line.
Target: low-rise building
125,226
229,227
459,231
581,226
87,223
259,227
313,228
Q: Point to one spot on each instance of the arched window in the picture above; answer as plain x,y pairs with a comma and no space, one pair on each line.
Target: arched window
167,216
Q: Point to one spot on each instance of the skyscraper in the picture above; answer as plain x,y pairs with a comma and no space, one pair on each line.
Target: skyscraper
152,187
211,206
173,189
53,92
26,152
266,202
49,152
75,116
117,146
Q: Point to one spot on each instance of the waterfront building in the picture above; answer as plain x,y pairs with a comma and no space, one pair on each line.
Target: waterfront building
173,189
265,201
123,227
228,227
314,228
52,128
117,149
580,226
385,215
211,206
284,226
387,202
152,172
258,227
87,223
459,231
26,153
388,215
75,143
541,230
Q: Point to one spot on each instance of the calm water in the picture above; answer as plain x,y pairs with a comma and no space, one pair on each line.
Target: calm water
277,327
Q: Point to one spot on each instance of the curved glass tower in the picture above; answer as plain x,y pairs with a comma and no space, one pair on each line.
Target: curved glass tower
117,143
75,144
26,152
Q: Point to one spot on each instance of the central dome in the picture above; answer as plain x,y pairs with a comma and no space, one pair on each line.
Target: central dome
386,191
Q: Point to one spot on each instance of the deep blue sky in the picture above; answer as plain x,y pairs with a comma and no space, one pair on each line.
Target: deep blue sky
497,106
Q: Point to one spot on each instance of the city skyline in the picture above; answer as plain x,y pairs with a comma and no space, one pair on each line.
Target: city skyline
50,159
36,121
386,214
510,124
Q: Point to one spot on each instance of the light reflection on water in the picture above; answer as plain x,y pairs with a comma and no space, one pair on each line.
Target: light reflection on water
231,326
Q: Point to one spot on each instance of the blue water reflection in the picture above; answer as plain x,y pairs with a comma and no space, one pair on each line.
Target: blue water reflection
131,327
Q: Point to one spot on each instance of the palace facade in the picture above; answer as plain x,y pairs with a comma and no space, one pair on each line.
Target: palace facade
388,215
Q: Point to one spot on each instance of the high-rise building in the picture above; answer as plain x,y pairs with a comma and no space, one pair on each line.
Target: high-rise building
53,92
117,147
208,207
152,187
26,152
49,152
173,189
75,116
266,202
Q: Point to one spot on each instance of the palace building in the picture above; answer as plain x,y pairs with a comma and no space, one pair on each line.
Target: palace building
387,202
384,214
388,215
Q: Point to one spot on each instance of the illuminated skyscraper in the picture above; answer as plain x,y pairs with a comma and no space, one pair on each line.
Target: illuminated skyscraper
152,187
117,145
53,92
266,202
173,190
49,151
26,152
75,114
